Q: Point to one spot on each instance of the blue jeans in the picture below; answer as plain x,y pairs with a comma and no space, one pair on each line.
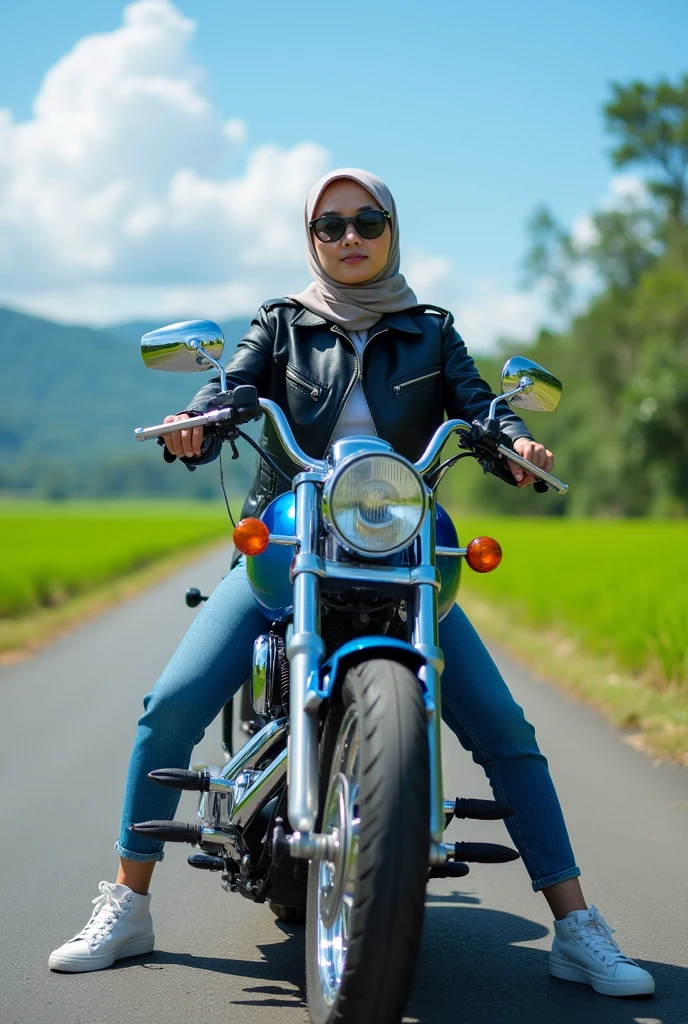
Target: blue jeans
215,658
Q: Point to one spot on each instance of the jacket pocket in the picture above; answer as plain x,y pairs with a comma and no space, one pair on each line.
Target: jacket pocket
423,378
302,383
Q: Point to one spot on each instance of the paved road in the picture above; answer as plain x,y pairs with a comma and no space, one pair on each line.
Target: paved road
66,723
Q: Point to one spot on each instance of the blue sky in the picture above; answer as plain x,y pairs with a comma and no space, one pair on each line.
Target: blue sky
473,114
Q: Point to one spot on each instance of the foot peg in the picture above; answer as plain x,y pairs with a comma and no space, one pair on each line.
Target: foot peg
181,778
205,862
482,810
484,853
169,831
181,832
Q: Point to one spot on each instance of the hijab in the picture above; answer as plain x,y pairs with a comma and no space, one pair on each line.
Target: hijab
356,307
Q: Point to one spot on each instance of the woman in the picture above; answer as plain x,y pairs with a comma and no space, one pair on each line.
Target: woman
354,353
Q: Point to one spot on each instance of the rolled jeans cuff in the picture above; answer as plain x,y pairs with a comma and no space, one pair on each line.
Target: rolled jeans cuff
142,858
560,876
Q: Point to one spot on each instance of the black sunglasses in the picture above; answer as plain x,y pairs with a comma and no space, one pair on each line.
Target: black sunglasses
368,224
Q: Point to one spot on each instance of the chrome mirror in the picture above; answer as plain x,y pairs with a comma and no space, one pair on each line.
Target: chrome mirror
530,386
191,345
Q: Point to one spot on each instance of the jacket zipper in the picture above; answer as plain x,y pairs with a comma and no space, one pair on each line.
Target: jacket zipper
306,385
358,375
398,388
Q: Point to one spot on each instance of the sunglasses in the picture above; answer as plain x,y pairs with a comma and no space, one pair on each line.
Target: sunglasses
368,224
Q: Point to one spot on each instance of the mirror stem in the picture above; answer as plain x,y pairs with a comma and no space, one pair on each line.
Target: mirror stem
198,345
524,384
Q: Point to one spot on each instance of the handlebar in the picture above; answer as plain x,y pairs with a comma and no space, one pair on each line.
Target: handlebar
297,455
209,419
437,443
281,425
216,416
539,474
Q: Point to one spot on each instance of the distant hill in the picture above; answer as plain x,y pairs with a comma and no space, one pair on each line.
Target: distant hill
134,330
71,397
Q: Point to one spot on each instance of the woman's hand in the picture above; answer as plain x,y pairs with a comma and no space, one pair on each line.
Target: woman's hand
533,452
184,443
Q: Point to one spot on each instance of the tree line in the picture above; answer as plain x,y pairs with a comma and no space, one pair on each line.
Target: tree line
620,288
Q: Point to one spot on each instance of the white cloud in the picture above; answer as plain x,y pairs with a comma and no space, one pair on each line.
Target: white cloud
431,277
118,196
123,196
127,193
484,311
624,192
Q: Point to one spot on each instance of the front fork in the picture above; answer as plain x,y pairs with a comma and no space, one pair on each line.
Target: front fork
425,638
306,651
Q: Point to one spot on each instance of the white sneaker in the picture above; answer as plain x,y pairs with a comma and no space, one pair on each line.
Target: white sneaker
583,950
120,926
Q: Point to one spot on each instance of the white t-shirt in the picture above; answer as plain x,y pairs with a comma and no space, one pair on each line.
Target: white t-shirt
355,417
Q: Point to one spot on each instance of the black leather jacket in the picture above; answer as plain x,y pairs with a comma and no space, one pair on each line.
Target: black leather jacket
414,369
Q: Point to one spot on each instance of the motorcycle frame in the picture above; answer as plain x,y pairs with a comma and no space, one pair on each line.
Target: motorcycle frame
312,680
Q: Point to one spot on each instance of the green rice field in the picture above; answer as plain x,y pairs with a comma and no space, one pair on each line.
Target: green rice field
618,586
54,551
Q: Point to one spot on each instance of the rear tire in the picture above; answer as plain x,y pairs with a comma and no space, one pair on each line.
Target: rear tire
360,960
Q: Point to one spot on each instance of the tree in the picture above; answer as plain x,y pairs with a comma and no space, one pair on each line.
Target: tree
549,259
622,242
651,122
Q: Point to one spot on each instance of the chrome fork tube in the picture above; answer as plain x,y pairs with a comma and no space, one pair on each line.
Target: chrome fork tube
425,638
305,652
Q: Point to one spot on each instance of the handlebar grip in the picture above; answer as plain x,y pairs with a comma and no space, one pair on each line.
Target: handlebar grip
539,474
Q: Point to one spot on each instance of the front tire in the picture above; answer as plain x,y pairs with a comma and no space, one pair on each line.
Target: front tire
364,914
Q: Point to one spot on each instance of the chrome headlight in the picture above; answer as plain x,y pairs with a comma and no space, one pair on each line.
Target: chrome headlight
375,504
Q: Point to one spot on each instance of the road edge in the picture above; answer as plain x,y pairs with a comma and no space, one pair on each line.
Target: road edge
652,721
23,637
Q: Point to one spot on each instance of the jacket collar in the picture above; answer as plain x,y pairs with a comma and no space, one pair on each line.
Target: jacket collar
390,321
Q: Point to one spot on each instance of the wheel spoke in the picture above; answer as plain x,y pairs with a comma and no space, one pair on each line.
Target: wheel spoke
337,878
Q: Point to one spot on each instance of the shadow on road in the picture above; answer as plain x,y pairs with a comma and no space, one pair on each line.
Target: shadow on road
472,972
282,969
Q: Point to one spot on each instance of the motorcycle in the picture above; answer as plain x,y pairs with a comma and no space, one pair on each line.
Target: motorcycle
334,809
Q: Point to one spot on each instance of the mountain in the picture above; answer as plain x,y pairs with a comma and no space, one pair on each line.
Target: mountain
134,330
71,397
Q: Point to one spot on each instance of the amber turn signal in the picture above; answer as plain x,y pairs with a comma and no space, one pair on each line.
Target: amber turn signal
251,536
483,554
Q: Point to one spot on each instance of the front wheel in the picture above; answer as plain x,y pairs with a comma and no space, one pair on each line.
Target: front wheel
365,908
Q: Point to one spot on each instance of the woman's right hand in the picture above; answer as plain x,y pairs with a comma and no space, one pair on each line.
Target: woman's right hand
184,443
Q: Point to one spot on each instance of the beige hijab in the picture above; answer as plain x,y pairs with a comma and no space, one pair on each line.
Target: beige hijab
356,307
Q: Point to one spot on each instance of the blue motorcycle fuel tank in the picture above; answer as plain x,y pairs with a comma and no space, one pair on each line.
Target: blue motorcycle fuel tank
268,574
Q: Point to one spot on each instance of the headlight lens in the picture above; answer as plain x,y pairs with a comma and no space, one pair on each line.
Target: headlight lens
376,504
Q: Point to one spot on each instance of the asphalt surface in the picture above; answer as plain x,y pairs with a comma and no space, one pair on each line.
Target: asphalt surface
67,719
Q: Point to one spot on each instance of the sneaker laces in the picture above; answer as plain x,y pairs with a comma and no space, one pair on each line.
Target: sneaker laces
597,936
107,911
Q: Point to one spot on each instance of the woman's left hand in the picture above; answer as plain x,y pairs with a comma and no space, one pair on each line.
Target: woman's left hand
533,452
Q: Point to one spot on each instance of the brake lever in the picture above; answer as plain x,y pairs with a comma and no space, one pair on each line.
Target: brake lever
484,441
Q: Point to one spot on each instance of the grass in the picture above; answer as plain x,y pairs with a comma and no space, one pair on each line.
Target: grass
53,553
600,606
